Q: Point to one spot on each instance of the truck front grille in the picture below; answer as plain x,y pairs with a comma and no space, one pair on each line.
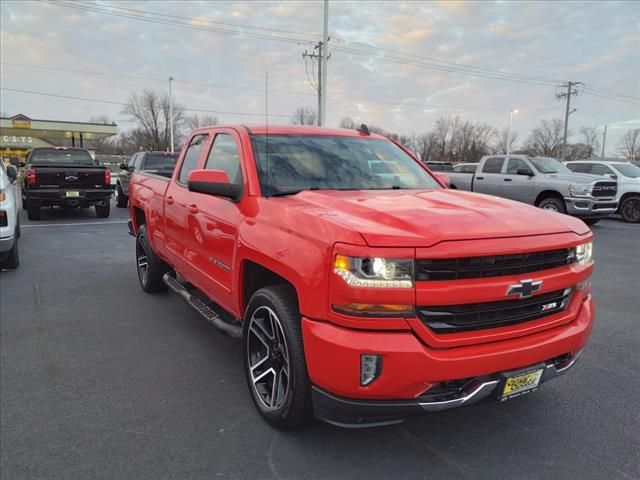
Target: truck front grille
492,266
605,189
476,316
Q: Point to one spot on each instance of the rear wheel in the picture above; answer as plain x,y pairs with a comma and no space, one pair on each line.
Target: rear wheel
103,211
554,204
121,198
150,267
33,210
630,209
275,366
13,258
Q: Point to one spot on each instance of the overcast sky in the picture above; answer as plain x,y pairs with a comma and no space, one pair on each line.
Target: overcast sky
389,63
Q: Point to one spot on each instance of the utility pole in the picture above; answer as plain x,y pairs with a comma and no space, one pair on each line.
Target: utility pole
321,92
171,114
322,70
604,140
570,90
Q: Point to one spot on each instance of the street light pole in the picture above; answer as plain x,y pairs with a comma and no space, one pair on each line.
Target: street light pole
511,112
171,114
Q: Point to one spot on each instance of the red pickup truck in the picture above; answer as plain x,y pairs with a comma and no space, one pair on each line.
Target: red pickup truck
363,289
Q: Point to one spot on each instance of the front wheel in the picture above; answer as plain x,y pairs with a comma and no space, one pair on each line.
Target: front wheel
553,204
274,362
103,211
33,210
13,258
121,198
630,209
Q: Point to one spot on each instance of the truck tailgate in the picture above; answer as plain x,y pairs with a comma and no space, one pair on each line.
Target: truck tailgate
69,177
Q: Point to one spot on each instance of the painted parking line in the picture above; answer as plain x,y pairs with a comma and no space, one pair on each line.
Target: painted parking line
31,225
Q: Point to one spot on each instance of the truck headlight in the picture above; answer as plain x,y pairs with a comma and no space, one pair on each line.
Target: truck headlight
580,190
374,272
584,253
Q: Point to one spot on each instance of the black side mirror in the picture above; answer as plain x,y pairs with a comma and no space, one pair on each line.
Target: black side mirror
15,162
525,171
123,166
12,173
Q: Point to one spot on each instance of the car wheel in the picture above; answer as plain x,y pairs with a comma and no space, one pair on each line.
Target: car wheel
121,198
553,203
630,209
24,203
18,231
13,258
33,210
103,211
274,362
150,267
590,221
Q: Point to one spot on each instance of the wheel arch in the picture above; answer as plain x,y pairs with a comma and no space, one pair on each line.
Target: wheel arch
548,194
255,276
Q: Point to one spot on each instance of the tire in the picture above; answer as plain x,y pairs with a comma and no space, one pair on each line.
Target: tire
554,204
24,203
103,211
13,258
630,209
591,221
18,232
272,342
150,274
33,210
121,198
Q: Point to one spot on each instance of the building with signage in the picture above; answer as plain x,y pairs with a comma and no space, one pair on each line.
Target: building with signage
19,134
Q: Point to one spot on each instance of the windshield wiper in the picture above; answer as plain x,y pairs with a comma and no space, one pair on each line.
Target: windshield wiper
291,192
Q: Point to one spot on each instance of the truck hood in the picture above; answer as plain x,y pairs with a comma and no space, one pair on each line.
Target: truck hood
575,177
423,218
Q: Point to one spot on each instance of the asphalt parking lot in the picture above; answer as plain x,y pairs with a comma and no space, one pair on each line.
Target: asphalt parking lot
99,380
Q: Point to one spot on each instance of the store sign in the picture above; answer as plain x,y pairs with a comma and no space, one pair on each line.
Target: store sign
21,122
11,140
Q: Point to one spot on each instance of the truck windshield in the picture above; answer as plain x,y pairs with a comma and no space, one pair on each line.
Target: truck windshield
313,162
548,165
628,170
60,155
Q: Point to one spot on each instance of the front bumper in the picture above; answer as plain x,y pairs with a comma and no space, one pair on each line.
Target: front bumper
6,244
86,197
587,207
413,375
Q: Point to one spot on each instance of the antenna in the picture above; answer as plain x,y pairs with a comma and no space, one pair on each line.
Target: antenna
266,137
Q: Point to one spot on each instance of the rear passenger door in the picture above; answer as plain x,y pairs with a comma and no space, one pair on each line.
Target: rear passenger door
489,179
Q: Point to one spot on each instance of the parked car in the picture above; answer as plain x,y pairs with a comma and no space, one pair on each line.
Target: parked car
465,167
65,177
439,166
9,220
361,299
543,182
628,177
161,163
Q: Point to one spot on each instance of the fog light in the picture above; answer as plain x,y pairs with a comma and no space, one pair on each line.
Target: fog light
370,368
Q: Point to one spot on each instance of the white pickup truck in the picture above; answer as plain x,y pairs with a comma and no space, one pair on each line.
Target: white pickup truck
543,182
9,222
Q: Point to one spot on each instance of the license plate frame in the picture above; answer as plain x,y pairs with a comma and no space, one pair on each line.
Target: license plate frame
521,383
72,194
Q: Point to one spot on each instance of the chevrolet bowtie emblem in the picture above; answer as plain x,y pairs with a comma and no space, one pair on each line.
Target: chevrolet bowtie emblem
525,289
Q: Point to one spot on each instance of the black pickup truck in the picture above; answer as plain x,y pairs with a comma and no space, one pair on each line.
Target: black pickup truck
66,177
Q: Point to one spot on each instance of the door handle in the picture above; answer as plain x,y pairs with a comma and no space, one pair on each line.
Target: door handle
170,200
193,208
479,178
507,179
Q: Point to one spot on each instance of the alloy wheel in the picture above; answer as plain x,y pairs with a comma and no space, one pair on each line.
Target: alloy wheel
142,260
631,210
268,358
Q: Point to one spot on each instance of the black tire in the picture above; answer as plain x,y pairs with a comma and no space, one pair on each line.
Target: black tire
150,274
24,202
33,210
591,221
291,405
103,211
121,198
18,232
555,204
13,258
630,209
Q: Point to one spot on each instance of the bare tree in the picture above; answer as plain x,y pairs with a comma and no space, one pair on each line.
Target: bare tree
426,146
305,116
591,140
195,121
546,139
503,144
150,112
629,144
349,123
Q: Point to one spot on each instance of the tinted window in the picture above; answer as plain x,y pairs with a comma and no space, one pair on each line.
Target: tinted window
191,157
440,167
598,169
61,155
516,164
628,170
579,167
302,162
493,165
134,160
160,161
224,156
470,168
548,165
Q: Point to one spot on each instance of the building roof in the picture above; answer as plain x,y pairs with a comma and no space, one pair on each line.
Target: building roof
21,125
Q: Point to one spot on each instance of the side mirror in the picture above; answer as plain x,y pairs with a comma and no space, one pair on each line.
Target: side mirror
612,176
525,171
12,173
123,166
15,162
214,182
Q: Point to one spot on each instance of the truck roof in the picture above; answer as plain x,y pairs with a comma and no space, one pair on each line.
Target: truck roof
296,130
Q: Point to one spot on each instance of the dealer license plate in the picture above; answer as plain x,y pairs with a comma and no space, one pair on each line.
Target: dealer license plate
72,193
521,383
